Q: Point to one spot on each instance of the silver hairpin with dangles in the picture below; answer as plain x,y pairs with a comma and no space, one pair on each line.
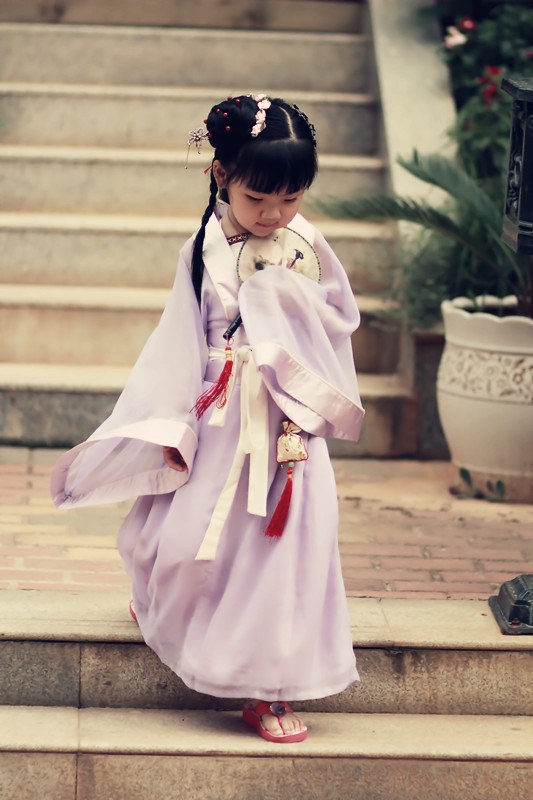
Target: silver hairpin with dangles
195,140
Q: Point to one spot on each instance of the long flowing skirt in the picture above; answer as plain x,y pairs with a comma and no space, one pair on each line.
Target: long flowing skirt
267,618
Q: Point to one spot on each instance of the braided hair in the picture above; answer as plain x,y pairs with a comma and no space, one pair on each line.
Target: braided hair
282,157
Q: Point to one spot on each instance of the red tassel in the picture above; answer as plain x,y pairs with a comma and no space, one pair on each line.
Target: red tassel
219,391
276,525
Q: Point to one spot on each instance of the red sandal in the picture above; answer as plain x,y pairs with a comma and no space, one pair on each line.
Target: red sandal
252,715
132,612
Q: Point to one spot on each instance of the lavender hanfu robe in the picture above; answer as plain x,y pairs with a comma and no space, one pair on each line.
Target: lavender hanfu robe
265,618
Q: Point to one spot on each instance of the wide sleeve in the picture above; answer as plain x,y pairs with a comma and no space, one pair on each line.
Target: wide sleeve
299,332
123,458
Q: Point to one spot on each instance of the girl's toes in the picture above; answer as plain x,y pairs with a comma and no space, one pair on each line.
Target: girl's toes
292,724
288,725
284,725
272,725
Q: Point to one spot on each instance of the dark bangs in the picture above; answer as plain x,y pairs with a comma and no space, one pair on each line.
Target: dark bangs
273,166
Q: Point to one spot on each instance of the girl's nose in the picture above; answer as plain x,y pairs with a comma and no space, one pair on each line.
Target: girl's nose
272,214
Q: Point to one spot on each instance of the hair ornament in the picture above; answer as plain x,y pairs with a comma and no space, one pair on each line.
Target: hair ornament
308,122
195,139
263,103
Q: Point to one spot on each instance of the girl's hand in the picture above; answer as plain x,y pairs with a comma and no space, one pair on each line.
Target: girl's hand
174,459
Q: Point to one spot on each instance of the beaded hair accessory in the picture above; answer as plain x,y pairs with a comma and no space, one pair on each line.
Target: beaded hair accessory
198,136
307,121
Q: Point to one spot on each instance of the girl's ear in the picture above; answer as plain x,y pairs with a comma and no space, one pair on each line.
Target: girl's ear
220,174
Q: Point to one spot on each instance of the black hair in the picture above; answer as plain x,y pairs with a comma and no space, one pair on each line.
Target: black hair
282,157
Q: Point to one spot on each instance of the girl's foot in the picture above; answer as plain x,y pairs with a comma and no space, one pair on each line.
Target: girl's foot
275,722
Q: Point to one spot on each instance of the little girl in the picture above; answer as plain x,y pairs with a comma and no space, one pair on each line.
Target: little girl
221,434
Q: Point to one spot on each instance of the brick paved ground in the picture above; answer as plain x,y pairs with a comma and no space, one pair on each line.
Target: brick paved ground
402,533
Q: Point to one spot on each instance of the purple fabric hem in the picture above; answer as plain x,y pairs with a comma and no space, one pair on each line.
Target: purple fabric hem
270,695
158,480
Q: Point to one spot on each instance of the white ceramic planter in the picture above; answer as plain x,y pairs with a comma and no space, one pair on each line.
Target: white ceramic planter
485,397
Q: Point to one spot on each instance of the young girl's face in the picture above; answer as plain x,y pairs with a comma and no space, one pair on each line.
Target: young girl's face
260,214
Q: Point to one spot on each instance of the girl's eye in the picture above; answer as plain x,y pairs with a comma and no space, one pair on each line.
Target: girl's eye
291,199
254,199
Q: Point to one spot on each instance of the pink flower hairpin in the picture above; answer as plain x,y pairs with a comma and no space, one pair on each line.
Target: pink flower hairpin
263,104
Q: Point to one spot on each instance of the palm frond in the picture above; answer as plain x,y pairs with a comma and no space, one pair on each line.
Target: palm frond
445,174
383,207
469,219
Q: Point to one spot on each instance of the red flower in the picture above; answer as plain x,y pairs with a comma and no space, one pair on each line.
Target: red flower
467,24
488,79
489,93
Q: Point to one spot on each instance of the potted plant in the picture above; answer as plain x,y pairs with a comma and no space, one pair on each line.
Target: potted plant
457,269
485,293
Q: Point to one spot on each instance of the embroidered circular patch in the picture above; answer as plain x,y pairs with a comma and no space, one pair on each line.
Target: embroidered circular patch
281,248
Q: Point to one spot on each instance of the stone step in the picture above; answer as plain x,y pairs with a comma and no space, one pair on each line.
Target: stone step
305,15
391,421
155,117
35,318
414,657
112,250
190,57
59,405
160,182
74,325
97,754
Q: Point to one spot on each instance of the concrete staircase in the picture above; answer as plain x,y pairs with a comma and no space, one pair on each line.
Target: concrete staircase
95,202
87,712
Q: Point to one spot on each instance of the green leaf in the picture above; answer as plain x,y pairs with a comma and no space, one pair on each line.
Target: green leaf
466,476
451,178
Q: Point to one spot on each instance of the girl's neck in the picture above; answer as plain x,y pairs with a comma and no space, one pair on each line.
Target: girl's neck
230,226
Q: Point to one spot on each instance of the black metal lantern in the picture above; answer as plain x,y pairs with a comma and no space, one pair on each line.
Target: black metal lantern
513,605
518,212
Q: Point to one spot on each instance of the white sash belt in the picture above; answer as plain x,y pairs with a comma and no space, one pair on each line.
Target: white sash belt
253,440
